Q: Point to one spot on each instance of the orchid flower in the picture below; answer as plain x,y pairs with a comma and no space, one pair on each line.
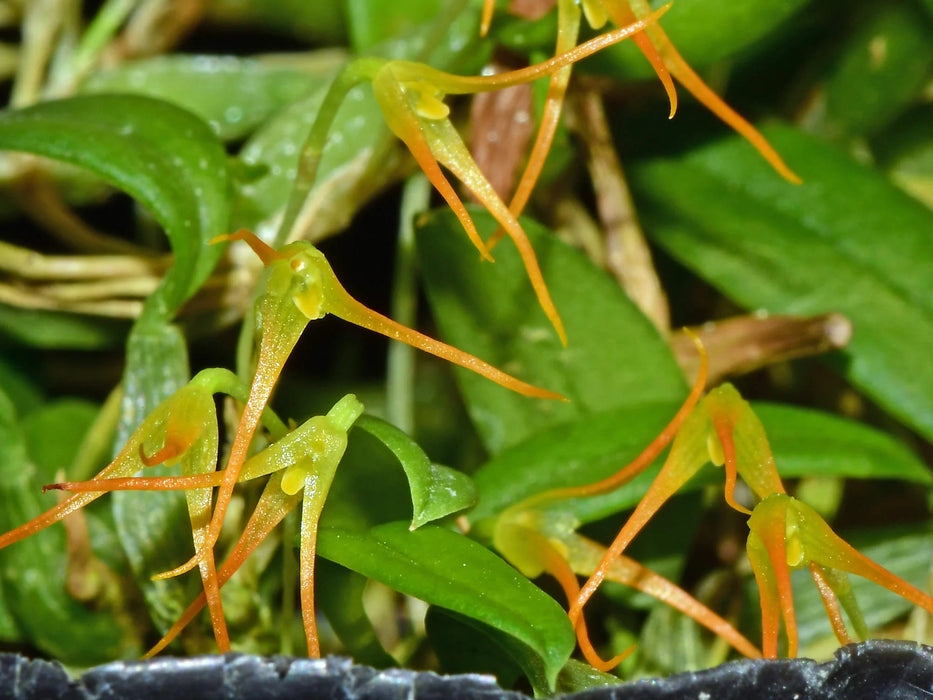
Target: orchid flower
664,58
411,96
784,532
302,464
302,287
181,430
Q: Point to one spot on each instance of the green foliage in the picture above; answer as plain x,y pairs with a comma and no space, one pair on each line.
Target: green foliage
207,143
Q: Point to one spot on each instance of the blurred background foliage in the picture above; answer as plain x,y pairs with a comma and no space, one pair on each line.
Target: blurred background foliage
187,118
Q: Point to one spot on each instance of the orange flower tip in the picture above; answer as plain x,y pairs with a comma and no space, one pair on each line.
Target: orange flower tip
552,396
55,487
266,253
486,21
157,457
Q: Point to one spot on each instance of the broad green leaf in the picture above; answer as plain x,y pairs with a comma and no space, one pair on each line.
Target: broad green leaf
446,569
339,593
846,241
374,21
163,156
55,329
805,443
233,95
436,491
576,676
813,443
368,488
33,571
54,434
878,71
905,151
614,358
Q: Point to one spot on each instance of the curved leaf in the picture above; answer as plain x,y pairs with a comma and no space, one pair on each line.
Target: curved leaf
449,570
614,358
846,241
233,95
162,155
436,491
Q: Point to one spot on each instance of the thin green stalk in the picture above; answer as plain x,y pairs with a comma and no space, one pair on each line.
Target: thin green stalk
400,382
102,29
359,71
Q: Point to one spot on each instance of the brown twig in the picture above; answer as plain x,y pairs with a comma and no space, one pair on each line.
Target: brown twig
628,257
745,343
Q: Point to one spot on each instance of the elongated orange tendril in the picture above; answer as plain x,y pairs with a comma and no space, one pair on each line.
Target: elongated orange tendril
723,427
681,70
140,483
688,453
585,553
568,28
273,506
648,50
830,603
489,7
451,84
647,456
558,567
770,596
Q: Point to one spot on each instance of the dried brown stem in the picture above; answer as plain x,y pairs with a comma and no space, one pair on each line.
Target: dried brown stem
628,257
745,343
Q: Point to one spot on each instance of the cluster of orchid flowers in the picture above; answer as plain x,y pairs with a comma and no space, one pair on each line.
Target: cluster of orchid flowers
301,286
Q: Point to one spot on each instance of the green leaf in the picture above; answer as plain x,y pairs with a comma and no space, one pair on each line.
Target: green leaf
54,434
436,491
33,570
581,452
55,329
846,241
19,379
339,592
233,95
813,443
577,675
163,156
375,21
805,443
878,71
615,357
448,570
